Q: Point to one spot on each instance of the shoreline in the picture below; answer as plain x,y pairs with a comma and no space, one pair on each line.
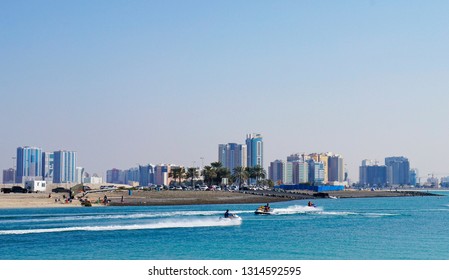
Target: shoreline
171,198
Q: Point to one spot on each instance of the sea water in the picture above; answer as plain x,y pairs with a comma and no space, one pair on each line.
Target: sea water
404,228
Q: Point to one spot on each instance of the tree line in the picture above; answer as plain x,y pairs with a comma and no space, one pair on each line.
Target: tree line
214,173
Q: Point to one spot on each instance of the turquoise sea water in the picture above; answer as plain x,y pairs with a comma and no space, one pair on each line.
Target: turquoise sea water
338,229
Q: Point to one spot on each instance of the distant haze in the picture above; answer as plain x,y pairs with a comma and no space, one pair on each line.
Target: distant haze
124,83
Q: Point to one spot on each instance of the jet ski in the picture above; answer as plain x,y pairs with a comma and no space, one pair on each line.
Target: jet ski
263,210
231,217
311,204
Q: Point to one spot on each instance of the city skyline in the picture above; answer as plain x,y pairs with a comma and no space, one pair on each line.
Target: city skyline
167,82
61,167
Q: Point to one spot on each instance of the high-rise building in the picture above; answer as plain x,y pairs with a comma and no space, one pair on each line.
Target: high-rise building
161,174
276,172
296,169
288,173
132,175
29,164
64,167
48,162
372,174
146,175
232,155
9,176
79,175
398,170
414,177
323,158
315,172
289,168
115,176
254,145
335,168
302,170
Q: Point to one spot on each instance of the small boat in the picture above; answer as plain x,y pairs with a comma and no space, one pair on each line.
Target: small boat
333,197
263,210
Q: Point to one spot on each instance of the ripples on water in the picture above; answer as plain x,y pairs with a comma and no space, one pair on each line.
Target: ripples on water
346,228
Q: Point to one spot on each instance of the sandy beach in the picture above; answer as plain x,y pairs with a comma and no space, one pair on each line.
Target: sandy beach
142,198
35,200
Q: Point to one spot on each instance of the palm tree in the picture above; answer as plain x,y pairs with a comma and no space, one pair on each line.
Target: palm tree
240,174
192,173
251,175
220,172
216,165
209,174
177,173
256,173
259,173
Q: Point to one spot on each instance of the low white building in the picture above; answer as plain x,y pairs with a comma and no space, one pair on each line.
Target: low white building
93,180
36,186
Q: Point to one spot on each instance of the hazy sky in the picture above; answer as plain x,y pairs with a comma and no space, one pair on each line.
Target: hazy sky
128,82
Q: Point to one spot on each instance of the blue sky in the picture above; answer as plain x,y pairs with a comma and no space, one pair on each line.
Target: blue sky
127,82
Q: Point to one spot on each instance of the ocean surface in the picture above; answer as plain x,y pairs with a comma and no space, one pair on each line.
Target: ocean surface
404,228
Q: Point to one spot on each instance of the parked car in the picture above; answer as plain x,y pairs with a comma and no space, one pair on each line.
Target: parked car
18,189
6,190
60,189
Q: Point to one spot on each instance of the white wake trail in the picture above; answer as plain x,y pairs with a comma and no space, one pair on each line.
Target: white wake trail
209,222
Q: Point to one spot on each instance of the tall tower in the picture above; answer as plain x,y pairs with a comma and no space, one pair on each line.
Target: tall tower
64,169
335,168
276,171
254,145
323,158
29,163
232,155
146,175
9,176
48,162
373,174
398,170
